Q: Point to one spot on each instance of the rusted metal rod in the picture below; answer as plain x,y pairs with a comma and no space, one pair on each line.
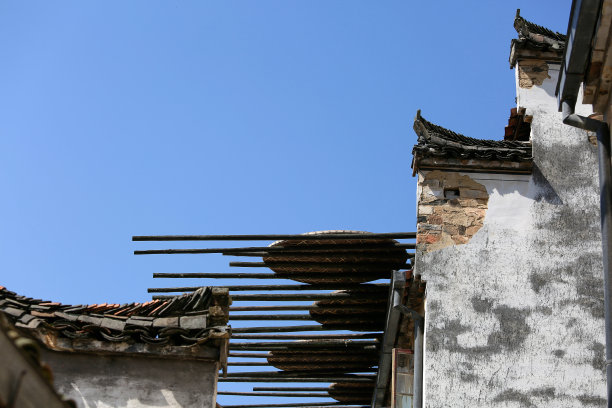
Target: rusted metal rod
306,336
275,394
271,237
245,288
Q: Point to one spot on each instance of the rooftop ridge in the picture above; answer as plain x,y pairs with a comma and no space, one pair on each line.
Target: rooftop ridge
525,27
445,133
438,148
186,319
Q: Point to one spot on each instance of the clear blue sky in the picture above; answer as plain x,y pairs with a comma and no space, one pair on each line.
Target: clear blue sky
201,117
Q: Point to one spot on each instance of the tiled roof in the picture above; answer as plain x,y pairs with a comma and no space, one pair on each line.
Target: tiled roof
181,320
436,141
527,29
536,41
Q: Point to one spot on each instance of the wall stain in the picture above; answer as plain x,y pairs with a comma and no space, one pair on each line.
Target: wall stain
512,395
599,351
591,400
481,305
559,353
513,329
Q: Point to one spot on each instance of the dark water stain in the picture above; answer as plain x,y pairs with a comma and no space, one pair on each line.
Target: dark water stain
481,305
512,395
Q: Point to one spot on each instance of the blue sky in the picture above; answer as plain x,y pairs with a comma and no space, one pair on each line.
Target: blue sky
227,117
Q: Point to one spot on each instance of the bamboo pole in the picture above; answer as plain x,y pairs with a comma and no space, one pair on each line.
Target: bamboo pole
310,405
275,394
288,276
271,317
275,237
290,388
313,379
246,288
390,264
306,336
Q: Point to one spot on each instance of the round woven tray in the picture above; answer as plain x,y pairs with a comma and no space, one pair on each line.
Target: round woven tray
358,393
364,310
352,262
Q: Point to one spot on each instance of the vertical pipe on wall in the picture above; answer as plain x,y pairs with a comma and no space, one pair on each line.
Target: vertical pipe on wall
605,190
417,397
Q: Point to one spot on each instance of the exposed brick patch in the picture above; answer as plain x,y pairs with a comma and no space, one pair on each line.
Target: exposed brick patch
532,72
451,209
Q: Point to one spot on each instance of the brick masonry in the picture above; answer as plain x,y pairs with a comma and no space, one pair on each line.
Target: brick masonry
451,209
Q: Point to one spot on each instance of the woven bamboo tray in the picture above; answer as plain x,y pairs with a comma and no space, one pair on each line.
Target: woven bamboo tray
361,264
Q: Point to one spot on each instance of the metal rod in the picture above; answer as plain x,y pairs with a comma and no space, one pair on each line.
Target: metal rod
245,288
273,237
306,336
290,388
313,379
271,317
391,264
275,394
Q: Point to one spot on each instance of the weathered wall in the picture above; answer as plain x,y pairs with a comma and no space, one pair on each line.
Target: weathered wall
133,382
515,314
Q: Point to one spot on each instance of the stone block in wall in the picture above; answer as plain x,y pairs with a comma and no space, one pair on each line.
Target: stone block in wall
451,212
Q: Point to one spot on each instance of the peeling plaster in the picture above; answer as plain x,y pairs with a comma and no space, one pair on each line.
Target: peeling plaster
532,72
514,317
451,209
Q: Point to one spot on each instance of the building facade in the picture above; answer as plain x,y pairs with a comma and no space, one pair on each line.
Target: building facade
162,353
508,240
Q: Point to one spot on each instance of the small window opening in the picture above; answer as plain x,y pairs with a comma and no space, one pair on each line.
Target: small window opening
450,193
